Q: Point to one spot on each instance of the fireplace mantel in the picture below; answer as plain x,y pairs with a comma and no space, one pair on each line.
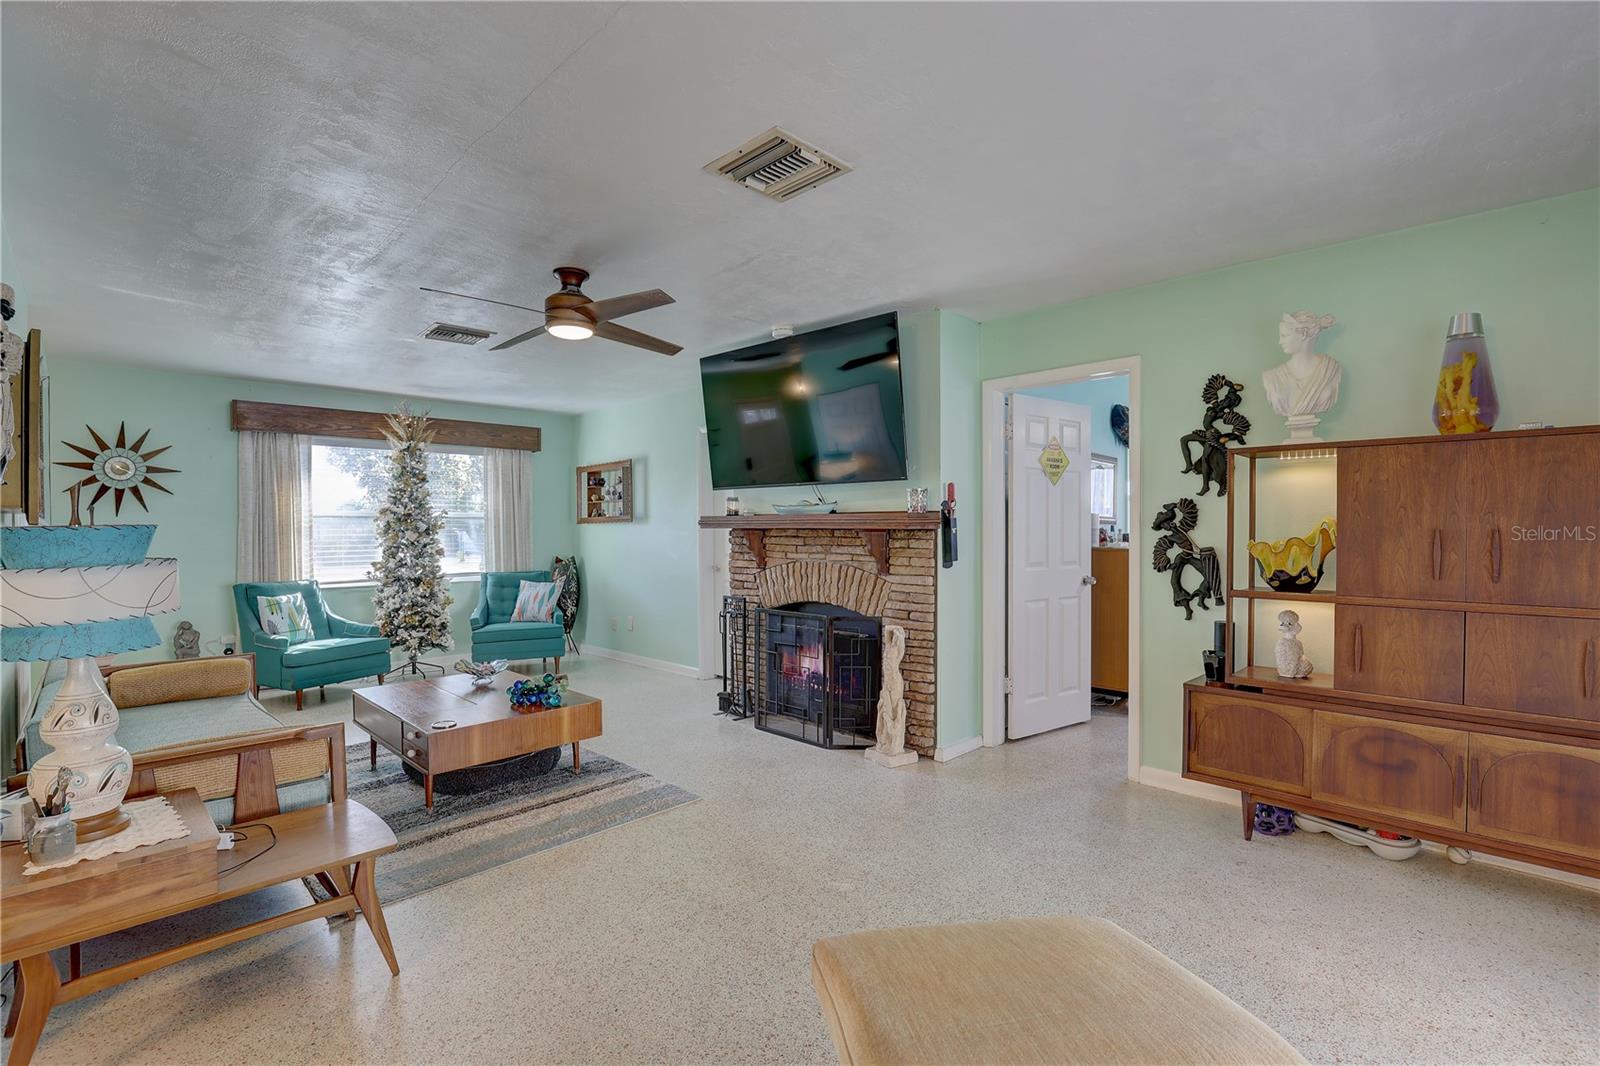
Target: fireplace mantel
874,527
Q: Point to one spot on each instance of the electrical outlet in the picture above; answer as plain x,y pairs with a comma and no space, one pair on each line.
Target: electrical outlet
630,623
230,644
613,625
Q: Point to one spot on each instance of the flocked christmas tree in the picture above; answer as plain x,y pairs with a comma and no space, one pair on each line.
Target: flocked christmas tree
412,600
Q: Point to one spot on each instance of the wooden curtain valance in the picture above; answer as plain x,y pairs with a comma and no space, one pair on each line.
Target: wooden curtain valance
369,425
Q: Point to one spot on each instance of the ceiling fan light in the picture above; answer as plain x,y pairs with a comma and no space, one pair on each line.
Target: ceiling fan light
570,331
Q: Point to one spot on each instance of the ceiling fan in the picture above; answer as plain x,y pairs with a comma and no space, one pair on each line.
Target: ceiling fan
572,316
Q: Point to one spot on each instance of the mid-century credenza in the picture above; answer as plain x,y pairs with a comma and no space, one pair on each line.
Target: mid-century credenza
1463,701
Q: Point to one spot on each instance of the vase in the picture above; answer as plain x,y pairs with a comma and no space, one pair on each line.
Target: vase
1465,400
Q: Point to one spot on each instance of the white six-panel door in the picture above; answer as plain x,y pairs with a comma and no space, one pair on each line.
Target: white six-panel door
1049,569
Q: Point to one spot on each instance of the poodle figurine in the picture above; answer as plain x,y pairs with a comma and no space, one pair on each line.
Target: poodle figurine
1290,653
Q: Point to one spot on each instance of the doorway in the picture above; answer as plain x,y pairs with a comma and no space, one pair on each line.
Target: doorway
1101,523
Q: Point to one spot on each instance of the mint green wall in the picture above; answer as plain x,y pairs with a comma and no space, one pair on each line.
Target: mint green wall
650,568
198,524
1532,270
647,568
960,657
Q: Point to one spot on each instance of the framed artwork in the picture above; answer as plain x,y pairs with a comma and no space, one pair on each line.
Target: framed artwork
605,492
22,487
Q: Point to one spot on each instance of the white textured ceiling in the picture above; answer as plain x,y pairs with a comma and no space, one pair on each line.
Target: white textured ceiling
260,188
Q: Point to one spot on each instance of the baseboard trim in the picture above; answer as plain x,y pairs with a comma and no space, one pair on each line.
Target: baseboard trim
947,752
1159,778
639,660
1156,777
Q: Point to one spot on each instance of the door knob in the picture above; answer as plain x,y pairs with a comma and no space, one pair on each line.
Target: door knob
1089,579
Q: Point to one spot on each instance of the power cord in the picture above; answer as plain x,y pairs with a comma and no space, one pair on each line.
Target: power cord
239,837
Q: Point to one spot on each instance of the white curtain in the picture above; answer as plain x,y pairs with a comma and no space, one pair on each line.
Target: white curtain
508,503
272,506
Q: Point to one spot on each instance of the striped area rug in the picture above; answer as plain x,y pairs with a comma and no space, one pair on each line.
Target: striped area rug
514,816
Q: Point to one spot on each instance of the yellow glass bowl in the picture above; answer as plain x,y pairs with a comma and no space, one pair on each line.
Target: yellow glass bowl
1295,564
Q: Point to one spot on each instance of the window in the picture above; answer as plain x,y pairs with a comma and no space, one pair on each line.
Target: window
1103,488
349,481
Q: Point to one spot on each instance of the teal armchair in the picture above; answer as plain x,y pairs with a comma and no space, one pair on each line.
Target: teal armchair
341,651
496,636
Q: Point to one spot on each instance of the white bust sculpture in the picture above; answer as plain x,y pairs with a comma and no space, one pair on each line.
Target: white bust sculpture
1289,652
1308,384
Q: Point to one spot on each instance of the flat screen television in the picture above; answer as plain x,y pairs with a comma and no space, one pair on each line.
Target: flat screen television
823,407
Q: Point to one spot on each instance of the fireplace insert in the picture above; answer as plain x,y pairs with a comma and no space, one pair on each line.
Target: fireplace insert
810,671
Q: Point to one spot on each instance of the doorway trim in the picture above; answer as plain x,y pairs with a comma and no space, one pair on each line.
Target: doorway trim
993,400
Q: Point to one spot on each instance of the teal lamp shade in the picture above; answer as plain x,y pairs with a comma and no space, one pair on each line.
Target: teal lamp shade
78,611
69,592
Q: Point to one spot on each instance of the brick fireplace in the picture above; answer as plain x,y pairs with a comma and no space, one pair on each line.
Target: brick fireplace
881,565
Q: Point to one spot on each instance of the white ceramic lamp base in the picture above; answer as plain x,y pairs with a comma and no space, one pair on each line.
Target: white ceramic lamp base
81,728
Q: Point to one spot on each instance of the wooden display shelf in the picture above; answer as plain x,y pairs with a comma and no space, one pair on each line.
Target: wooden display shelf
1268,451
1268,594
874,527
1471,606
1319,685
836,520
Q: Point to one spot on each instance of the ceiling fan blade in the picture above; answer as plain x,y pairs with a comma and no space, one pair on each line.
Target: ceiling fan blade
519,338
634,302
483,300
623,335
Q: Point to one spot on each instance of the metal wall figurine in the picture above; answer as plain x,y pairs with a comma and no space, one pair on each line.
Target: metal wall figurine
1176,552
1222,399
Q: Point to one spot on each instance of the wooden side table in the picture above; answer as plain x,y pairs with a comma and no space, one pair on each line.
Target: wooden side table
336,842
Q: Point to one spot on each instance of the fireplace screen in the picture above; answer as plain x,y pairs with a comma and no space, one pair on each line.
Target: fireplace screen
807,670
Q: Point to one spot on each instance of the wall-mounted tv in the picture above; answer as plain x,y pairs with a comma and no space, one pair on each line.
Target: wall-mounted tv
823,407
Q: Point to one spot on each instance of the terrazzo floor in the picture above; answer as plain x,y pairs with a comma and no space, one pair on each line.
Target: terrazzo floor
684,937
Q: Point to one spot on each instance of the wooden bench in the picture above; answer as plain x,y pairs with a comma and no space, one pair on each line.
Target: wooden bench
336,842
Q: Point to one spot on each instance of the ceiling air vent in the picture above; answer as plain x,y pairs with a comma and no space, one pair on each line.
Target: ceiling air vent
778,165
444,331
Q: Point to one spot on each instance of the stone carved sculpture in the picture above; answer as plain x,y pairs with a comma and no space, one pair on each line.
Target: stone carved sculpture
186,641
1289,652
1222,399
890,749
1308,384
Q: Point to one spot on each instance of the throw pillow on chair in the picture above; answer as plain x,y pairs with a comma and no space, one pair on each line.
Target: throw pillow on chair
285,616
536,601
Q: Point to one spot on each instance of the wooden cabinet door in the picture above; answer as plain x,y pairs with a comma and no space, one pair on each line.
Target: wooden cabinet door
1535,665
1400,529
1108,651
1533,520
1414,772
1396,651
1529,792
1250,739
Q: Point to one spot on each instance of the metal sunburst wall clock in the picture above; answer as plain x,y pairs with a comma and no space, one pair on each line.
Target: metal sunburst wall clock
119,468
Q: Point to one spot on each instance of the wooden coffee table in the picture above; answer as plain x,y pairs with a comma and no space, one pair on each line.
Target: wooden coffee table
407,718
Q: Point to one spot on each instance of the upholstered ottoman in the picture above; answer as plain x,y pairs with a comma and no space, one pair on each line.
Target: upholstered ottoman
1033,990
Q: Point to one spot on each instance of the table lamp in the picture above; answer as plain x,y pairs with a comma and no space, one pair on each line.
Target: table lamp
75,592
